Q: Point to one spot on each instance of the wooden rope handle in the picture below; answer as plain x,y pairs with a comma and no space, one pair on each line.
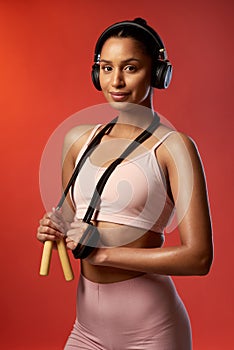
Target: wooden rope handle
64,259
46,258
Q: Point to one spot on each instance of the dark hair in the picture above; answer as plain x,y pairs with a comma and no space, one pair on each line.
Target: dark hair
148,39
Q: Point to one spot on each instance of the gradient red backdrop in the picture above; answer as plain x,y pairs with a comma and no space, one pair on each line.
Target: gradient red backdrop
46,56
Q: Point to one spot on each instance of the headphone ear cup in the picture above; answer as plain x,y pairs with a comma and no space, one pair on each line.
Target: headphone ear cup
95,76
162,74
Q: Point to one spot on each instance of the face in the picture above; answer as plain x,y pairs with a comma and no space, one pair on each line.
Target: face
125,73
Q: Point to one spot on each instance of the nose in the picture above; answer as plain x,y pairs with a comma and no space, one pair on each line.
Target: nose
117,78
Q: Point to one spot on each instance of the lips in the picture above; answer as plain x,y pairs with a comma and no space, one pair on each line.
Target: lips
119,96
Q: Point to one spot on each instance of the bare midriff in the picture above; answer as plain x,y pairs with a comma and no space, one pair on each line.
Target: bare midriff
136,238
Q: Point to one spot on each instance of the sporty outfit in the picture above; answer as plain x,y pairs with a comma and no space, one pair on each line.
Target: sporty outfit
145,312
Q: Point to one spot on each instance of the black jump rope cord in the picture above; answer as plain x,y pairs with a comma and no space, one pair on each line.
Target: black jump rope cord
102,181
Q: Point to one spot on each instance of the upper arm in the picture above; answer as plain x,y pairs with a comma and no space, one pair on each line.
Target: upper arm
189,191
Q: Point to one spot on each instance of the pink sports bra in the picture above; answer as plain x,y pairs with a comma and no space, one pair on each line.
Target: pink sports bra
134,195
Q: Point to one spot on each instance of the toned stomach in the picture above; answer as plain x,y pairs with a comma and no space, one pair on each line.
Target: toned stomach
115,235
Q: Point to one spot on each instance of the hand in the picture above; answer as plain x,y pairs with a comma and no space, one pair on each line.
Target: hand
74,234
52,227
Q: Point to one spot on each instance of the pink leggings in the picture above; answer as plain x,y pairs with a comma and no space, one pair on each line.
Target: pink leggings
142,313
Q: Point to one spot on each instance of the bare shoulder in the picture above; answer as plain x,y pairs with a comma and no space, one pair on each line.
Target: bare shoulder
178,150
76,138
177,141
77,133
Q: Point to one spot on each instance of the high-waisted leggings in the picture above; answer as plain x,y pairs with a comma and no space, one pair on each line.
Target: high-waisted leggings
142,313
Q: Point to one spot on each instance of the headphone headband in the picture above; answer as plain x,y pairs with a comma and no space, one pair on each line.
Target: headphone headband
162,54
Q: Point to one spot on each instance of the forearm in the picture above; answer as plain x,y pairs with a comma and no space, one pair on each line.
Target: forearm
178,261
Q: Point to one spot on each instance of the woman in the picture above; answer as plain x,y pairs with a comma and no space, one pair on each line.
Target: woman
126,298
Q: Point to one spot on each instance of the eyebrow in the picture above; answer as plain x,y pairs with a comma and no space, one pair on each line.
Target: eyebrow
124,61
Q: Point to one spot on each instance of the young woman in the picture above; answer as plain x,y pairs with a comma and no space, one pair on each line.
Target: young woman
126,298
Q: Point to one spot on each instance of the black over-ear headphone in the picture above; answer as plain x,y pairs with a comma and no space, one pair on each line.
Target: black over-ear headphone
162,68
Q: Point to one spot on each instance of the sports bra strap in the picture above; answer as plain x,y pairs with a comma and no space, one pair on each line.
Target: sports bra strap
90,137
162,139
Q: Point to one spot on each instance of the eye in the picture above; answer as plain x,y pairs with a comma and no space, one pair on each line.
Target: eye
130,68
106,68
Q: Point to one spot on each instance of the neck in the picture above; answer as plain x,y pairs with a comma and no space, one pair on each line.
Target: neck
136,115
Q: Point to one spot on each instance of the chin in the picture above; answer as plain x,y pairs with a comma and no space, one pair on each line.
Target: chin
120,106
124,106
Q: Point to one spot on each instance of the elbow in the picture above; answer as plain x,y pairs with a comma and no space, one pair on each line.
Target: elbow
199,259
203,264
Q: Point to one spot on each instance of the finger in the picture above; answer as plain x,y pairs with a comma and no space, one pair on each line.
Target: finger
52,217
47,215
75,234
42,237
47,232
48,222
71,245
50,230
72,242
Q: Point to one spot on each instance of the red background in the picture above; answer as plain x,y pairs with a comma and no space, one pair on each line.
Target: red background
46,55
